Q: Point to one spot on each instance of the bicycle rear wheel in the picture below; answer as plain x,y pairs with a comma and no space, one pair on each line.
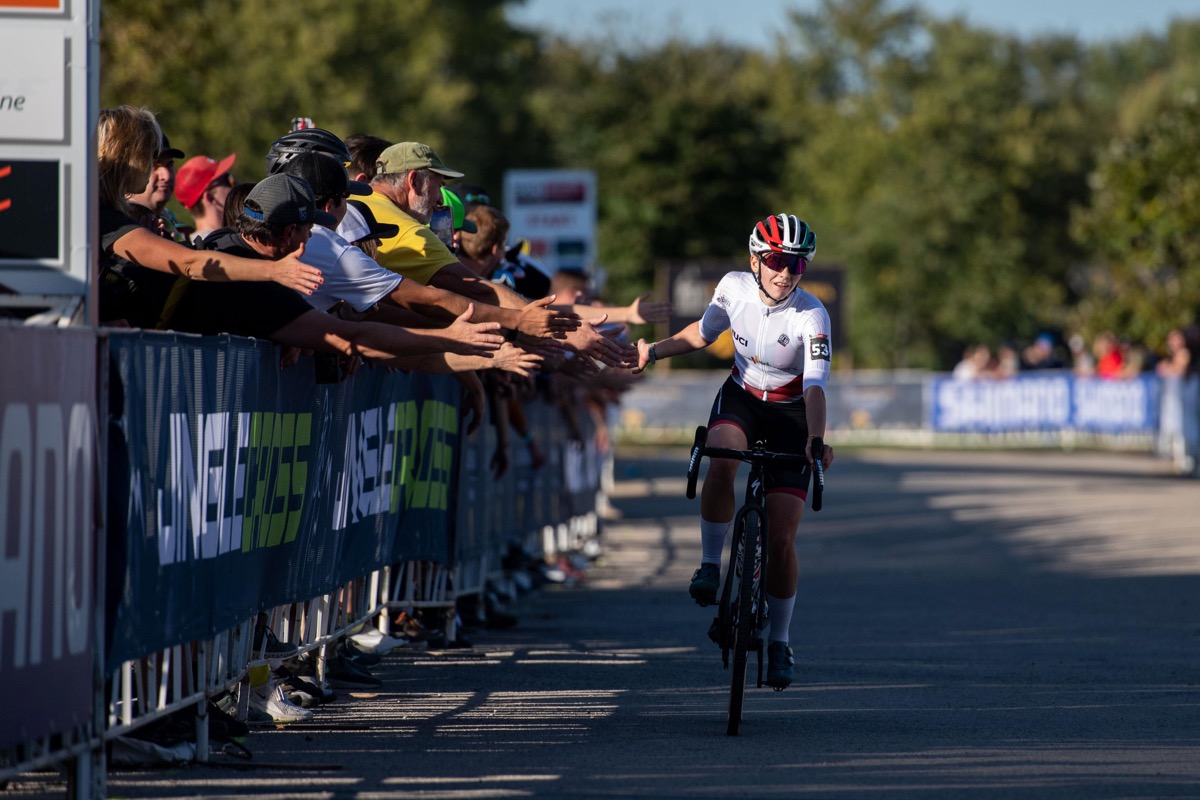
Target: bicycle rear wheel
748,537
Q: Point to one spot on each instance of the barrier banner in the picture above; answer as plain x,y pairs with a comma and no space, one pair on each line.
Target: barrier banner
496,511
49,462
248,486
1045,403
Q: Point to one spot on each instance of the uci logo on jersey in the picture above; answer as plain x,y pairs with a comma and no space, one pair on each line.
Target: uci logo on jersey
818,348
743,341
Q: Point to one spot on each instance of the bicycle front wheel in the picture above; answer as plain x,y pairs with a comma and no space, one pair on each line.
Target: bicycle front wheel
746,548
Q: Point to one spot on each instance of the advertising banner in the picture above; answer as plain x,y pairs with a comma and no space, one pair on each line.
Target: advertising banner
246,486
49,548
1045,403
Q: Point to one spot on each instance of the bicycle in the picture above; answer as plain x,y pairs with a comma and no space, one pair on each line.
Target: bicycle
742,614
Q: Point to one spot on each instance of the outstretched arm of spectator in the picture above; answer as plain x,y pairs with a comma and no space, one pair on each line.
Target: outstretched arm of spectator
144,248
537,320
534,318
641,311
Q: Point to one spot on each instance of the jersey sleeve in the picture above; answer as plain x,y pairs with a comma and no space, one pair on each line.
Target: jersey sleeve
715,320
818,346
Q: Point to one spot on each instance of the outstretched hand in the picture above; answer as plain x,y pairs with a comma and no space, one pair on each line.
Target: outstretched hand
512,358
473,338
644,310
291,272
538,319
590,341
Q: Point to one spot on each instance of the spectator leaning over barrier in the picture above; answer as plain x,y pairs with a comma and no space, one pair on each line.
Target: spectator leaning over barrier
278,217
150,205
137,267
353,277
202,186
407,188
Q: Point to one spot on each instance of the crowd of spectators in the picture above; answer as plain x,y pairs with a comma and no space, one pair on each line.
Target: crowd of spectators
339,253
1109,357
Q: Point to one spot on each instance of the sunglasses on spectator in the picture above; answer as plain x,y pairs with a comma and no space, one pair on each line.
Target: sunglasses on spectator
222,180
480,199
780,262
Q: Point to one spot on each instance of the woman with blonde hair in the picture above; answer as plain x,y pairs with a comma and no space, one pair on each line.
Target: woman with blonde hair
140,271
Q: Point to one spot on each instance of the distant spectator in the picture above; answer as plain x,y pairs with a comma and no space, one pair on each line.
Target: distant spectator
1007,363
202,185
1082,363
975,363
1109,360
1179,427
1041,354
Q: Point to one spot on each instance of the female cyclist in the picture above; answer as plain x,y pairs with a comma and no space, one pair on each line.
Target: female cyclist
776,395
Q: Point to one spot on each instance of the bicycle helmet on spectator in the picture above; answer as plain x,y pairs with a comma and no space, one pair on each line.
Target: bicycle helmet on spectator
784,233
305,140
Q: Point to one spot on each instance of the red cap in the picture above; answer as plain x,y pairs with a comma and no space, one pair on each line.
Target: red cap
196,174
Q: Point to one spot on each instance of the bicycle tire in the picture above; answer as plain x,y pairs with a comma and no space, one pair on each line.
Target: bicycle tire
744,625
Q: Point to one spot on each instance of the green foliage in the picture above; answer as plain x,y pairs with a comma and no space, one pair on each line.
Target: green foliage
1143,227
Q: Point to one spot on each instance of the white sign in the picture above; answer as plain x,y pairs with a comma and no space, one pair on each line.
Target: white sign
555,211
32,85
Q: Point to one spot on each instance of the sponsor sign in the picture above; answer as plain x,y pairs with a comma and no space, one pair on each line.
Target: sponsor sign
48,543
33,84
1050,402
555,211
245,487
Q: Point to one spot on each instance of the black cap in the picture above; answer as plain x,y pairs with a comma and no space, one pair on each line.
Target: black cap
370,228
326,176
285,200
168,151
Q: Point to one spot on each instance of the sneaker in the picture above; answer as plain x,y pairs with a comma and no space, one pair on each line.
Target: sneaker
372,641
266,645
343,673
705,583
779,665
270,700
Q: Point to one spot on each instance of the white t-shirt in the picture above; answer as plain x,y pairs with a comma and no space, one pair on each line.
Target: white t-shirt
350,274
779,351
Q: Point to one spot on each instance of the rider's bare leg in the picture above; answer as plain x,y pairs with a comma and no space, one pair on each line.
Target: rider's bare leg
783,567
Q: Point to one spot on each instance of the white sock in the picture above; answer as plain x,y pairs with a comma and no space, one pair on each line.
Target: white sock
779,613
712,541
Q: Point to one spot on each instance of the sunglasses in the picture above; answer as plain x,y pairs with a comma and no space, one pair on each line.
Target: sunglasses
223,180
481,199
784,262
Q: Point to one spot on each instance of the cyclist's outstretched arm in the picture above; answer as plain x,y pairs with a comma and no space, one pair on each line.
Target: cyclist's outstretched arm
814,413
686,341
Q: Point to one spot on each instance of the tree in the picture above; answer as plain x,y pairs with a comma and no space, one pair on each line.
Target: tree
1143,225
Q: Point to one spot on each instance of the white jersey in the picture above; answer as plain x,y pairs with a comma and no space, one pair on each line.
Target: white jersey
779,351
349,274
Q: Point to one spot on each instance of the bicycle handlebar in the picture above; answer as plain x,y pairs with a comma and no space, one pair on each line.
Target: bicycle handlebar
699,450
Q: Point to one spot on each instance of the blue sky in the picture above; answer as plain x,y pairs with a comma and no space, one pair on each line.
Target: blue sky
748,23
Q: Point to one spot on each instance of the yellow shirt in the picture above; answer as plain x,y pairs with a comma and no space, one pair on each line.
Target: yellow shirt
415,252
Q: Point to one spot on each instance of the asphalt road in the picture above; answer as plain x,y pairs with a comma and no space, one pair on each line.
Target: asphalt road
969,625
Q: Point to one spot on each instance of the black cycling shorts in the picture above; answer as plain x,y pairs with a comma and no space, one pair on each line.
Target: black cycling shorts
781,427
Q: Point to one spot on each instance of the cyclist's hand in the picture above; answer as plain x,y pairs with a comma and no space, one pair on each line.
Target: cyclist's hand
643,361
827,455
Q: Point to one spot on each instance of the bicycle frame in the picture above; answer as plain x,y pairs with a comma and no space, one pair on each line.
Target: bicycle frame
740,622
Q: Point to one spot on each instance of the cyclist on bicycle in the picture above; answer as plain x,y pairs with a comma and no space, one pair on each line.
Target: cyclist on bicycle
775,394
